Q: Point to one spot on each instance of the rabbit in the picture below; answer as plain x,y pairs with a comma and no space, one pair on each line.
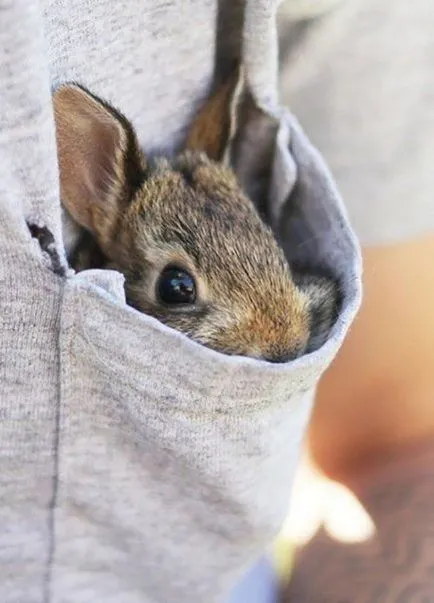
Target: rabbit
184,230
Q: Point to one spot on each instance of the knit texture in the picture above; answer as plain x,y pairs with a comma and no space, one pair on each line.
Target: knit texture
137,466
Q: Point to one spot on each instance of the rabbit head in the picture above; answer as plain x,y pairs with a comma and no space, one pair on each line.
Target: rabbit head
190,242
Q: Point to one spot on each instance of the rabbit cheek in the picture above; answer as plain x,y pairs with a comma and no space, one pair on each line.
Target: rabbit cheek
275,336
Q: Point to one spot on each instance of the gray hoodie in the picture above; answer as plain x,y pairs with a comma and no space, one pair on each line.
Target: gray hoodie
135,465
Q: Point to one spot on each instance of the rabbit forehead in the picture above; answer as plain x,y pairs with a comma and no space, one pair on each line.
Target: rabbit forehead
218,228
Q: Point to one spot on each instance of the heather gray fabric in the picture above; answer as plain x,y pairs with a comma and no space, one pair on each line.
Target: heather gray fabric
135,465
361,81
305,9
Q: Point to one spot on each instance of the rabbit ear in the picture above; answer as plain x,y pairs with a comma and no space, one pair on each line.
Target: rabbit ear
233,129
100,162
213,126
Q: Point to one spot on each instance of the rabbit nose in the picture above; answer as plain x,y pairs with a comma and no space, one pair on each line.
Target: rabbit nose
279,357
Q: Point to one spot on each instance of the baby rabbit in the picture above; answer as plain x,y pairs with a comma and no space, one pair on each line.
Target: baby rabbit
193,248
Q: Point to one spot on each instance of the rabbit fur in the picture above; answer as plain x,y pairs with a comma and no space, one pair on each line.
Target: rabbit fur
197,212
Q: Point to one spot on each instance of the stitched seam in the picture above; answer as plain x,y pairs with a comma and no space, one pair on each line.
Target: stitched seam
55,491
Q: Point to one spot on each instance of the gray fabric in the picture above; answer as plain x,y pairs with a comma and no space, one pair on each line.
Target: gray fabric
135,465
304,9
361,81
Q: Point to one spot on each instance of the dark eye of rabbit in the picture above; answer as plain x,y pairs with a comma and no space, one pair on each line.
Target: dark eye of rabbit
176,286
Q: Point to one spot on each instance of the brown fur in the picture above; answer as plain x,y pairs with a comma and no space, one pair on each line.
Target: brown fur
212,127
189,211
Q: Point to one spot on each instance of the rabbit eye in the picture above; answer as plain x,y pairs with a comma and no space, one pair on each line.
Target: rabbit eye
176,286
